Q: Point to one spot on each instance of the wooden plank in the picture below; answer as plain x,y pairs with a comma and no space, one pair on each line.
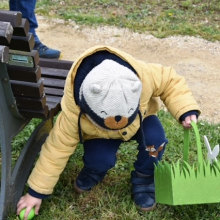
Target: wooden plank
54,99
22,43
27,89
22,73
31,103
53,91
4,54
35,113
22,58
14,17
23,29
54,83
55,107
6,31
54,73
56,64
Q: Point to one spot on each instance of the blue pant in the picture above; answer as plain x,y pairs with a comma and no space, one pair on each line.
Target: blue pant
100,154
27,8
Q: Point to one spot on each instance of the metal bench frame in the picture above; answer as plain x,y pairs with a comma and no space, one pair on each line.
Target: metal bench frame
13,180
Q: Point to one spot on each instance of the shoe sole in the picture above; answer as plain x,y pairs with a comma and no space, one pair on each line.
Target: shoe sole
147,209
60,57
77,189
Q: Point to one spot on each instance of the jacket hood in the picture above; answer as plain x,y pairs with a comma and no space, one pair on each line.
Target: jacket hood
85,63
110,61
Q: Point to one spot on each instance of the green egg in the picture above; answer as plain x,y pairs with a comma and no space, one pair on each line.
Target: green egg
30,216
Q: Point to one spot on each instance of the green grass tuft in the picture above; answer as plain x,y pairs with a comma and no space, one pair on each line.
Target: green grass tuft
162,18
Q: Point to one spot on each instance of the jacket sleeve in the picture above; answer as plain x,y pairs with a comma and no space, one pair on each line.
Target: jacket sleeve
172,90
55,152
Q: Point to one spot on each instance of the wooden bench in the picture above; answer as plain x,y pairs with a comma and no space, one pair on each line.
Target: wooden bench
30,87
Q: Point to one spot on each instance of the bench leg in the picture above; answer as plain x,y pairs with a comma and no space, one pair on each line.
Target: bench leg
5,174
12,185
26,160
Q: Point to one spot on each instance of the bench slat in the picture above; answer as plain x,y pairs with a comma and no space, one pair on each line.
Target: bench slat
22,43
6,31
51,72
14,17
54,107
27,89
56,64
53,99
35,113
54,83
31,103
22,73
53,91
53,102
23,29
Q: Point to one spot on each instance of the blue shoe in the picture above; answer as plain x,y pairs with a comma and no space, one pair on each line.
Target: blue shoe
143,190
46,52
87,179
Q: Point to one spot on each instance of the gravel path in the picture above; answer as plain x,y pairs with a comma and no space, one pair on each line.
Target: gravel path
196,59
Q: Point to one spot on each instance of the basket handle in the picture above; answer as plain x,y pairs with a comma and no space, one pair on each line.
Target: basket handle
198,143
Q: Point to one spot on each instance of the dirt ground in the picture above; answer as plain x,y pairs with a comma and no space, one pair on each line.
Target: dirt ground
194,58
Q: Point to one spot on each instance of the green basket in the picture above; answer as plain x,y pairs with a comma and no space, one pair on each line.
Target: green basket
181,184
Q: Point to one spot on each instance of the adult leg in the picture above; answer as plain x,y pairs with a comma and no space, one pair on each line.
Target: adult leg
27,8
99,157
143,176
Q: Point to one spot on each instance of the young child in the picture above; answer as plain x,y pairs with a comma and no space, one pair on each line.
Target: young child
110,97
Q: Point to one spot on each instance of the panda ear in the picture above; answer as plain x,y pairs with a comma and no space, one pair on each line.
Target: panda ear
136,86
95,88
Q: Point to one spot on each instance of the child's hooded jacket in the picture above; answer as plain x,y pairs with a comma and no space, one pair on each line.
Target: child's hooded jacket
72,124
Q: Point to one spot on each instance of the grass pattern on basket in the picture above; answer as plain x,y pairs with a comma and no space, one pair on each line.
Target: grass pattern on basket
181,184
176,185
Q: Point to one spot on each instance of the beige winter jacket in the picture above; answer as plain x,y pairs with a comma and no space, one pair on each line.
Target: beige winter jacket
157,82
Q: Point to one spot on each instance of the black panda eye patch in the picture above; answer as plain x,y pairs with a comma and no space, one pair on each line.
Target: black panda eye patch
104,112
131,110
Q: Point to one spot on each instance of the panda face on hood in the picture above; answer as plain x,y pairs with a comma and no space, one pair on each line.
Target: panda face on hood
110,94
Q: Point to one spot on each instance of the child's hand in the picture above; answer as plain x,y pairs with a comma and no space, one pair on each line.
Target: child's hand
187,122
28,202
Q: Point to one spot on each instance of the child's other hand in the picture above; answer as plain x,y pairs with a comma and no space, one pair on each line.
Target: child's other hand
187,122
28,202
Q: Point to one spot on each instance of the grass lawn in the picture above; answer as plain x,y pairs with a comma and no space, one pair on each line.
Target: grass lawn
112,198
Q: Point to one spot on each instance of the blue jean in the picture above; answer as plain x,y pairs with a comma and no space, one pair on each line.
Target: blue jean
27,8
100,154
